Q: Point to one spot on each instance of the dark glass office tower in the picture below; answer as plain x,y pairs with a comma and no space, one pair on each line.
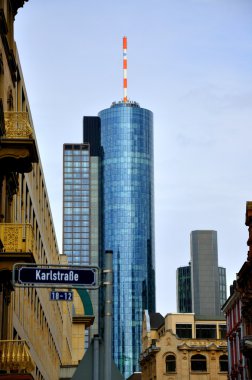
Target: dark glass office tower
128,223
184,291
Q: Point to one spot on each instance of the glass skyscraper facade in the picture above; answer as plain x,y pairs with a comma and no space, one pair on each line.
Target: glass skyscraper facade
76,209
81,208
128,223
184,291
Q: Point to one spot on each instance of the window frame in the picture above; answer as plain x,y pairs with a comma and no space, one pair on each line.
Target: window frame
172,362
205,331
223,361
185,327
200,360
222,331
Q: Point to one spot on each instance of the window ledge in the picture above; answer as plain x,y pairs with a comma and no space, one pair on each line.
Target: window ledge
170,373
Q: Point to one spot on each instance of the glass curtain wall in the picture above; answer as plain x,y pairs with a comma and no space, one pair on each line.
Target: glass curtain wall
128,222
76,203
184,294
76,206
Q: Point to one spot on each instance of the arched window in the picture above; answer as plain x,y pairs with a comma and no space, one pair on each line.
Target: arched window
198,363
223,363
170,362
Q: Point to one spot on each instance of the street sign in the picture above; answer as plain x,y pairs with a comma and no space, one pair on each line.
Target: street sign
61,296
55,276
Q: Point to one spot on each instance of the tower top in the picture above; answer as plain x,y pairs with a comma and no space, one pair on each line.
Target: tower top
125,67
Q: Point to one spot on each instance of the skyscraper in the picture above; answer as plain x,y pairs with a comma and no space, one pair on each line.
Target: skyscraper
76,211
108,197
205,275
128,223
201,286
76,206
81,201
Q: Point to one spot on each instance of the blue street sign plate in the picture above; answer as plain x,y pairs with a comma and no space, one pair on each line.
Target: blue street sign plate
61,296
51,276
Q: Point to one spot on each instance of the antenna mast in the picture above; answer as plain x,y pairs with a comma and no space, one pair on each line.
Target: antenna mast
125,67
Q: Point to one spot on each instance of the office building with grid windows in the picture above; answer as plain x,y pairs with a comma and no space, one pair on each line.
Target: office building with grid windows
81,215
82,242
76,211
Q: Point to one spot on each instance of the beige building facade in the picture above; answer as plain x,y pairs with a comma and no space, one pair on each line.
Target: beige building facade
182,347
39,338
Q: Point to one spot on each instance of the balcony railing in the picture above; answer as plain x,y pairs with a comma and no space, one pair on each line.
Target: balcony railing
17,125
18,147
17,237
15,356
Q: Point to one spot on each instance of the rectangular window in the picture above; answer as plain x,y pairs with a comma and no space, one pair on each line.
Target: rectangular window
206,332
222,331
184,330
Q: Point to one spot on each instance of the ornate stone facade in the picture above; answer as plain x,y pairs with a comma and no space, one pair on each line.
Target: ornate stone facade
37,337
176,349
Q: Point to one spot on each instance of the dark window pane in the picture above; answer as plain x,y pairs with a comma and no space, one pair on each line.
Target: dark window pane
223,363
223,331
184,330
198,363
205,331
170,363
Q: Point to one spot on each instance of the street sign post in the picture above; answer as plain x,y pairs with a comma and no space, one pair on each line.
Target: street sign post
59,276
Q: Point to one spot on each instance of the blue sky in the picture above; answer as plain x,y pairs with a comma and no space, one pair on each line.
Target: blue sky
190,63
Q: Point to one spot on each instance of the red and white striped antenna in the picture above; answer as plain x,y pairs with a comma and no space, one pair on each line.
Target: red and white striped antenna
125,67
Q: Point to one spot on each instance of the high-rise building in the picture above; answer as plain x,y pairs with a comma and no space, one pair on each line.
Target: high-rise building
118,216
205,274
201,286
81,206
128,223
76,211
92,136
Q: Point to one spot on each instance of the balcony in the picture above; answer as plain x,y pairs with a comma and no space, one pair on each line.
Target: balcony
17,145
15,358
18,244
